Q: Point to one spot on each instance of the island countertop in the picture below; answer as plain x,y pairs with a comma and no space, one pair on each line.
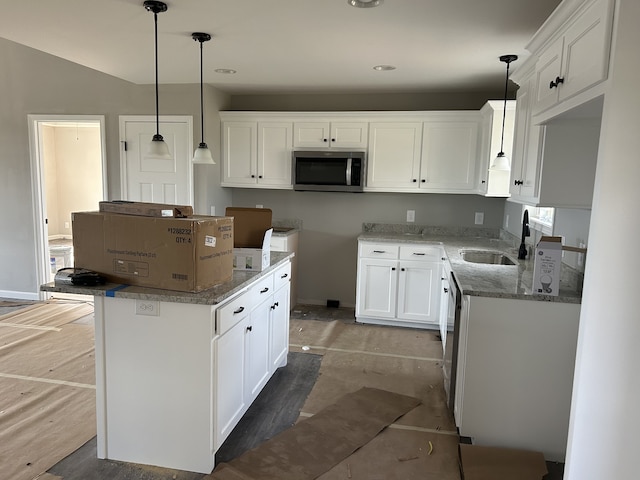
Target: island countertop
211,296
485,280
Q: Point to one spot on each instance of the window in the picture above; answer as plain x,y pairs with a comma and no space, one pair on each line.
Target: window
540,218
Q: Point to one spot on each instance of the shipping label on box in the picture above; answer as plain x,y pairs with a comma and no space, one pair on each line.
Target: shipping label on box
184,254
547,265
254,259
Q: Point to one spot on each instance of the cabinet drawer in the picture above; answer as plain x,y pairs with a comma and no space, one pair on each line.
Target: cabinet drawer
379,250
427,253
261,290
281,276
233,312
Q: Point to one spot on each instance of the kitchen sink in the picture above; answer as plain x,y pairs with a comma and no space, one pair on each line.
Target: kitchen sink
490,257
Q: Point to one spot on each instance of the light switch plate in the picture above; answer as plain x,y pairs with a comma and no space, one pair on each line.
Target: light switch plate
479,218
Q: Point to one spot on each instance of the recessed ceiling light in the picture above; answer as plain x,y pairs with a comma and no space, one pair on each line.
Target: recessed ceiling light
384,68
365,3
227,71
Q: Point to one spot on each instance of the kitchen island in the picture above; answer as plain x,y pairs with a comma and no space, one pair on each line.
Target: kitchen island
175,371
509,374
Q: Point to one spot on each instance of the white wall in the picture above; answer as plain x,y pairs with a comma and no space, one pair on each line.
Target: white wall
34,82
605,418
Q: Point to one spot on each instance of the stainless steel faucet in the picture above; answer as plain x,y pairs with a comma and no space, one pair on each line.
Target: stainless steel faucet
522,253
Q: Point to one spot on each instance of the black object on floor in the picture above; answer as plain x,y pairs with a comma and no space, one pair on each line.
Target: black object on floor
276,409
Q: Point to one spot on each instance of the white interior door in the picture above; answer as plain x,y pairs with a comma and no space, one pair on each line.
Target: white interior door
152,180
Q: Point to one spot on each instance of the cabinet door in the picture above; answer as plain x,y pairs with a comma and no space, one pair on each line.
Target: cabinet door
349,134
377,284
275,141
311,134
548,68
256,334
586,50
394,155
229,394
418,291
527,150
279,328
449,156
239,153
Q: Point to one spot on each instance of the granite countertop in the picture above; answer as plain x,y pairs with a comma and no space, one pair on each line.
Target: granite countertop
476,279
212,296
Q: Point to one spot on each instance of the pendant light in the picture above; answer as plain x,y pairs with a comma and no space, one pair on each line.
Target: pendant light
501,162
158,148
202,153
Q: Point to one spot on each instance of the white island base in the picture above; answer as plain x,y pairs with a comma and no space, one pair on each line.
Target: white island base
173,379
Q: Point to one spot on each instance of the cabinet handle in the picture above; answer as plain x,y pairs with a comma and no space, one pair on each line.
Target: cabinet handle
284,276
402,269
444,259
446,290
259,176
273,307
240,310
423,181
264,290
393,269
324,139
558,81
333,139
418,253
379,251
484,181
249,328
253,176
518,182
414,180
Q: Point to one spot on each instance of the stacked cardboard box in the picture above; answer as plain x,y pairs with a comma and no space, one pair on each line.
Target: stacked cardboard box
184,254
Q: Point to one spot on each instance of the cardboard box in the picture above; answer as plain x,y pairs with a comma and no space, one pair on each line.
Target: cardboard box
185,254
493,463
252,237
146,209
547,265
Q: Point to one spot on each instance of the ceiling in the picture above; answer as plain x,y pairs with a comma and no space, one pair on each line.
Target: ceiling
287,46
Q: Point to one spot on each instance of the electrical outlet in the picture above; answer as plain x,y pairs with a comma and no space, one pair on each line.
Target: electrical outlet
479,218
66,224
147,307
213,210
411,215
259,206
506,222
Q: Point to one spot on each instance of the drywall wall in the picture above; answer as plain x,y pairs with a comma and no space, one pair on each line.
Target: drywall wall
34,82
331,223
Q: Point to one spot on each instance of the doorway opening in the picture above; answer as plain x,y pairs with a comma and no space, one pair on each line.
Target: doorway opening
68,165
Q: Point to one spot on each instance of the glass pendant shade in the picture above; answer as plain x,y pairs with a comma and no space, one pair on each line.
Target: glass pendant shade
500,163
158,149
203,155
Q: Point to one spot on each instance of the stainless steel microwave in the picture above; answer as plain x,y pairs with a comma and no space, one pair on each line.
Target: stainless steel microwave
331,171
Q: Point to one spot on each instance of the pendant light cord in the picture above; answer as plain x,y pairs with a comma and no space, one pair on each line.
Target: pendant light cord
201,97
155,21
504,111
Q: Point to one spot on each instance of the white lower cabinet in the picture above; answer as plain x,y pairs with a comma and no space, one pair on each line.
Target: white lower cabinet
170,387
514,373
398,284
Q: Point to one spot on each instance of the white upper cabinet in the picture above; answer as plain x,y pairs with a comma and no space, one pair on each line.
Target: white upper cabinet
576,57
495,183
527,148
394,155
257,153
450,153
330,134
